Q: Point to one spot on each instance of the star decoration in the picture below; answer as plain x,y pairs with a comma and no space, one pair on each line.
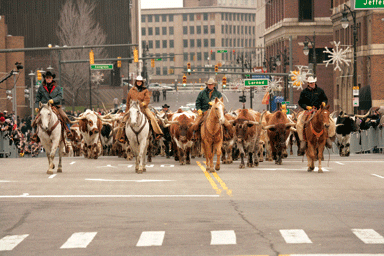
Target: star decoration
97,78
275,84
299,77
338,56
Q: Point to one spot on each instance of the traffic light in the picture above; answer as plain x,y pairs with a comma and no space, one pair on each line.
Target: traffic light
119,62
91,57
135,55
216,68
284,108
233,52
39,75
189,68
224,81
152,63
184,80
242,98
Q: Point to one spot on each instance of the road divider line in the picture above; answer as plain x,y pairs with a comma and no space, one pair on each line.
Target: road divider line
381,177
9,242
72,162
151,238
79,240
52,176
223,237
368,236
339,163
295,236
222,184
26,195
211,181
128,180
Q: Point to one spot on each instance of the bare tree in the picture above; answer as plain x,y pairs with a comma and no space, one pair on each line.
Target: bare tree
78,27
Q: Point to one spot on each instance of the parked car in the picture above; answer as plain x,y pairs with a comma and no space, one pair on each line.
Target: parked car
159,87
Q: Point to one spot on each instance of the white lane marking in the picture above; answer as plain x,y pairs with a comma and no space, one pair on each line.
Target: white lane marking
378,176
72,162
52,176
151,238
339,163
223,237
369,236
107,196
9,242
295,236
317,169
128,166
129,180
108,165
167,165
5,181
79,240
149,166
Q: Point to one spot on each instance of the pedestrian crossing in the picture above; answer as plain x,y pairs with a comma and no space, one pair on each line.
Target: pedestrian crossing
218,237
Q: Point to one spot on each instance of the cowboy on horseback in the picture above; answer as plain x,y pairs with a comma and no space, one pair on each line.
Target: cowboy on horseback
49,92
312,98
141,93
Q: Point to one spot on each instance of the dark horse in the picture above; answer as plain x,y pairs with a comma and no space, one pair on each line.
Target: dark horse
316,133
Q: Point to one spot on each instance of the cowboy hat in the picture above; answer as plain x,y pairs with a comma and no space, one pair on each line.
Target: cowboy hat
165,106
211,81
139,78
311,79
49,74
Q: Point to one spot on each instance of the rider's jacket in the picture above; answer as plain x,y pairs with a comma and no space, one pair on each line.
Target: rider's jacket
203,99
312,97
45,93
141,94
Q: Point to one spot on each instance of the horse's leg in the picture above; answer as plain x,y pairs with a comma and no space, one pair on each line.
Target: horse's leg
223,159
145,153
60,167
209,156
320,156
310,157
142,155
218,153
149,150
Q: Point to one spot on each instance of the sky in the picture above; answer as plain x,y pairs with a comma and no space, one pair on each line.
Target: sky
145,4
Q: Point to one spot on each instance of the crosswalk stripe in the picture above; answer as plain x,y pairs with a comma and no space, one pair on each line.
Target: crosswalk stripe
223,237
151,238
9,242
295,236
79,240
369,236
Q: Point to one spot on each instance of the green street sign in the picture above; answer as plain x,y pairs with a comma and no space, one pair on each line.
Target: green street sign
367,4
158,59
101,66
221,51
256,82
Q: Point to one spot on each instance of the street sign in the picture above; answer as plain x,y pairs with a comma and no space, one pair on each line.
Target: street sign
355,90
355,101
260,76
158,59
221,51
292,106
256,82
101,66
367,5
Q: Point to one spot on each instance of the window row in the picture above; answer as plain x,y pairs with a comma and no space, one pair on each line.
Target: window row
199,56
191,30
164,31
228,42
228,29
199,16
159,44
238,16
156,17
191,43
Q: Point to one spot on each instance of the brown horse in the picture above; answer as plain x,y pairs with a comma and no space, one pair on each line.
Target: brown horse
316,133
212,134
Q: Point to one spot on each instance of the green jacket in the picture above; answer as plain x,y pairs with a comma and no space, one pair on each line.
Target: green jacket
44,96
203,98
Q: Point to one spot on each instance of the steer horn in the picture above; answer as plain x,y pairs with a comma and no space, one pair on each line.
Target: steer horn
364,116
268,126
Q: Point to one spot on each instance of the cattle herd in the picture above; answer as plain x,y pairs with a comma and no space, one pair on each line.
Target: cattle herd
251,136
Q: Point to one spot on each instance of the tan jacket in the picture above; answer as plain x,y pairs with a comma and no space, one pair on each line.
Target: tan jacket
143,96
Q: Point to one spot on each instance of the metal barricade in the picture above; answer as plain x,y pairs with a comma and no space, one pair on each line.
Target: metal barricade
7,148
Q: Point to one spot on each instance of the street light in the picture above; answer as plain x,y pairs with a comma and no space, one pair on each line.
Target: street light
285,62
345,24
32,99
306,50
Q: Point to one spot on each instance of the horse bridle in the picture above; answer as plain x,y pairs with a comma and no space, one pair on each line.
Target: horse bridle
141,128
49,131
317,134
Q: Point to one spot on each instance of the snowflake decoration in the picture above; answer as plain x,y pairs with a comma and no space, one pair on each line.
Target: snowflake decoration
299,77
275,84
97,78
338,56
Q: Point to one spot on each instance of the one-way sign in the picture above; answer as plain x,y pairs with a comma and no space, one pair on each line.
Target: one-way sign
292,106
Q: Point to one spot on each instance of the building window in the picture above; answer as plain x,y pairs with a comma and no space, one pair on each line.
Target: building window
242,42
185,56
164,30
150,44
205,29
185,17
226,42
253,30
222,42
206,43
242,29
142,18
242,17
157,44
226,16
205,16
198,43
238,17
164,17
199,56
150,31
185,43
226,29
165,71
305,10
143,44
234,42
230,29
171,30
246,42
171,44
234,29
230,42
213,42
192,57
222,29
245,17
213,56
230,16
198,30
191,30
170,17
191,17
149,18
246,29
222,16
192,43
143,31
206,55
157,18
157,31
185,30
164,43
212,29
158,71
238,30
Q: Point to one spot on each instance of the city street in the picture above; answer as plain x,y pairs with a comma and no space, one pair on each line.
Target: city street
102,207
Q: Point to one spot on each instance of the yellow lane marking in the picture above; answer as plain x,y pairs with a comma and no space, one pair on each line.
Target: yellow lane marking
211,181
222,184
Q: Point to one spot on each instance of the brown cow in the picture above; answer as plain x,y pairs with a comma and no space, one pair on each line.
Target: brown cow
247,128
278,128
228,141
76,139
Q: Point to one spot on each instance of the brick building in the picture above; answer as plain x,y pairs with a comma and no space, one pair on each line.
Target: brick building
7,63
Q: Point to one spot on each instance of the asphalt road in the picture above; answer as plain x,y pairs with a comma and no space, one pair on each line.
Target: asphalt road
102,207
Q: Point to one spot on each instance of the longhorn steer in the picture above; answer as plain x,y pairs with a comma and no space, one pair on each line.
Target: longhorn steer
228,141
76,140
106,138
345,125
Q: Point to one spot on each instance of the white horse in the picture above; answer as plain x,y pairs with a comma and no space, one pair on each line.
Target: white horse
49,132
138,133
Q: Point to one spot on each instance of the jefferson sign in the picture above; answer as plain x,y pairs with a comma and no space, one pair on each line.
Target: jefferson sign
368,4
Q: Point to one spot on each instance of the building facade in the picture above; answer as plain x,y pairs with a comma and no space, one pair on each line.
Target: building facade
195,35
